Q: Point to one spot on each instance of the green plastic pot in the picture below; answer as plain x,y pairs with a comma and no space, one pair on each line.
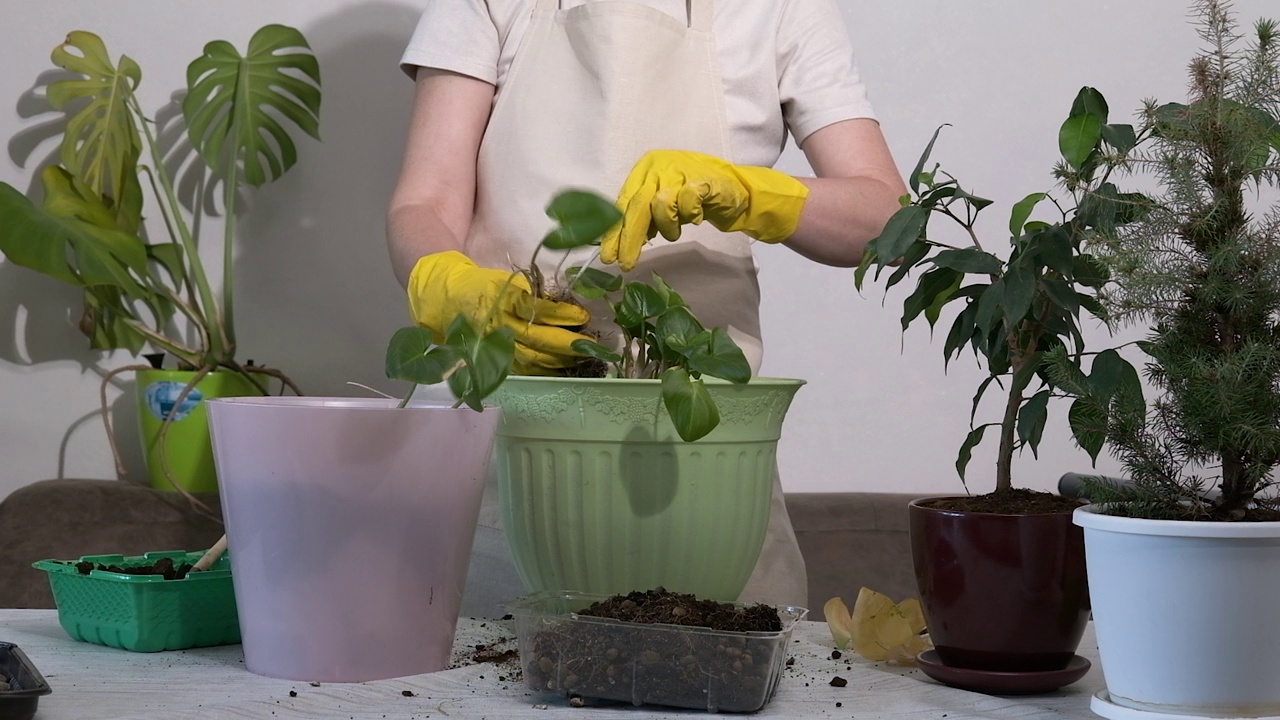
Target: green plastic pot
600,495
145,613
186,447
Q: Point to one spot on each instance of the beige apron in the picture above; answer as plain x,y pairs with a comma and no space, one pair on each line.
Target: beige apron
590,90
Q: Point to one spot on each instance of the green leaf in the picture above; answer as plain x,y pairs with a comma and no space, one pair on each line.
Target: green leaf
1090,102
1088,426
914,179
977,396
939,282
676,330
966,450
593,349
1054,247
643,301
490,362
905,227
668,293
692,411
101,143
722,359
969,260
1120,137
934,310
1062,295
106,317
234,103
1078,137
1106,375
1089,271
412,356
1031,421
978,203
988,303
583,217
1022,211
1019,291
169,256
961,332
74,238
914,255
592,283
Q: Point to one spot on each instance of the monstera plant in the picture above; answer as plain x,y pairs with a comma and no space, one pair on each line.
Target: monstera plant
89,231
144,282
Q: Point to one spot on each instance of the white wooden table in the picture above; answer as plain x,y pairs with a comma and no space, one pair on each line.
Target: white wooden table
92,682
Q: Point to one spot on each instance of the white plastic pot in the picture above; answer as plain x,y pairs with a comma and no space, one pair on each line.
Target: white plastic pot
1185,613
349,524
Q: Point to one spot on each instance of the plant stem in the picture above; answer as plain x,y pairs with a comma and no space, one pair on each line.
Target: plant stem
229,184
216,343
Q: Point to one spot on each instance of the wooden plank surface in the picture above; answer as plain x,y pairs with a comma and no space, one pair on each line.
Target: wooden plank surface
91,682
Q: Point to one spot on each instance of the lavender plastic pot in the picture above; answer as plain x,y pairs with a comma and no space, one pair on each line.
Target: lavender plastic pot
351,524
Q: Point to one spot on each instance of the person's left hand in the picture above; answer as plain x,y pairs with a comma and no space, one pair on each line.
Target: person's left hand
670,188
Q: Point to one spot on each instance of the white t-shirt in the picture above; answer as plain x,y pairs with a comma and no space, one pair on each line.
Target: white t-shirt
786,64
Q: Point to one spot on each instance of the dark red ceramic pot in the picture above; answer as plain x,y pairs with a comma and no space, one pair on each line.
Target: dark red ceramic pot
1000,592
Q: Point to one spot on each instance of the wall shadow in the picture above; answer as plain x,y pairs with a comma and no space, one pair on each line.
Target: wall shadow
315,293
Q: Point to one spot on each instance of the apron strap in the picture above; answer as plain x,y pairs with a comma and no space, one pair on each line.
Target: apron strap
701,13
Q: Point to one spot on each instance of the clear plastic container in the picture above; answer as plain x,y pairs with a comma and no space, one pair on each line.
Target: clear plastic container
25,684
145,613
658,664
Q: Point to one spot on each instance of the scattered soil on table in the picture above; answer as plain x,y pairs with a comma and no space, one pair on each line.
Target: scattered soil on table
634,663
163,566
498,649
1015,501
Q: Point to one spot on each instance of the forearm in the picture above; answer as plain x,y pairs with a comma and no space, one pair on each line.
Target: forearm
415,229
841,215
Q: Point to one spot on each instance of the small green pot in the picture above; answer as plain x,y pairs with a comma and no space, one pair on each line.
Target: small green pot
185,447
600,495
145,613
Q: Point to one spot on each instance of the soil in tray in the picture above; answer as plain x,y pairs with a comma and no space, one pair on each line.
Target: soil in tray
163,566
632,663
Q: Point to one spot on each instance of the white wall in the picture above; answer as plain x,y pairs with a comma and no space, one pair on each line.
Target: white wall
315,292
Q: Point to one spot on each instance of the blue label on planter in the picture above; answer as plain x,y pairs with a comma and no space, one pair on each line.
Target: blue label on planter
162,395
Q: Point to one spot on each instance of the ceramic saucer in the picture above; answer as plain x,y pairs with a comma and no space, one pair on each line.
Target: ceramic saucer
1102,705
994,682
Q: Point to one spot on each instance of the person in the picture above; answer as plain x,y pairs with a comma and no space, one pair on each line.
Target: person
683,104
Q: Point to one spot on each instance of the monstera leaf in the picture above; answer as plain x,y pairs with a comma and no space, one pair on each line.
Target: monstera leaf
232,103
74,218
101,144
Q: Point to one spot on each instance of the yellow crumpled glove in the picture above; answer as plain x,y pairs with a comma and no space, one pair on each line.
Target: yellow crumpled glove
447,284
878,629
670,188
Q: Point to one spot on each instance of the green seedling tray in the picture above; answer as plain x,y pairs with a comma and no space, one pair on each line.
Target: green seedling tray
145,613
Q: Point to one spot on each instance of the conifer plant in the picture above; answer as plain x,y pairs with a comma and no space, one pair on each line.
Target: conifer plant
1201,265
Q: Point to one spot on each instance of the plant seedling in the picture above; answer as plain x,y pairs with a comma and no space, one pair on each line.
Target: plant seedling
661,338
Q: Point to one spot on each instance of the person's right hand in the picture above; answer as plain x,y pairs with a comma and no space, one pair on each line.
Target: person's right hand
447,284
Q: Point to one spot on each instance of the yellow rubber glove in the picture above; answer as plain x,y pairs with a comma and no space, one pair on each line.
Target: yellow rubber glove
670,188
445,285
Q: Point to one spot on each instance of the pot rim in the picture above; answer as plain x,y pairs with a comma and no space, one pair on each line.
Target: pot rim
918,503
620,382
344,403
1091,517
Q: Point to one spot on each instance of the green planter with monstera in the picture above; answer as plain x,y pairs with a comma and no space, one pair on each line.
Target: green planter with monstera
145,285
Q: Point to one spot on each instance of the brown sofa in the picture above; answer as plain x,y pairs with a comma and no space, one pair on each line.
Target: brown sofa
848,539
